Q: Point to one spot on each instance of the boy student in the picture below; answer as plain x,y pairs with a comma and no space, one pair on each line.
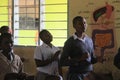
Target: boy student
78,52
46,57
9,62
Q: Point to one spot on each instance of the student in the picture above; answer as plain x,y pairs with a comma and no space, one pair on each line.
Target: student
5,29
46,57
78,52
9,62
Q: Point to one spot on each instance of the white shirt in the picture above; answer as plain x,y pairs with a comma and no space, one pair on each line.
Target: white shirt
44,52
7,66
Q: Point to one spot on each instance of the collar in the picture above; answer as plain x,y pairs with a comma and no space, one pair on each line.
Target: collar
45,45
76,37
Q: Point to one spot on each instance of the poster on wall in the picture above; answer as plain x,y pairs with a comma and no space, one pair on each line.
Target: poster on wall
102,18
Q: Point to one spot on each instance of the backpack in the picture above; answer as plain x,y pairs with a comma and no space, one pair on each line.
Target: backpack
117,59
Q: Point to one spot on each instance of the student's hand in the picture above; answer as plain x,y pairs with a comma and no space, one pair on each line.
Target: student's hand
55,56
82,58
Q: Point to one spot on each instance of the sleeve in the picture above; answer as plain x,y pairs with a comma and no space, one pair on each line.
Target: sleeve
3,68
93,57
18,64
38,53
21,67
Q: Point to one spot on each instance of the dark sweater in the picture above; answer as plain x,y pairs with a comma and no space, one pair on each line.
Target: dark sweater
75,48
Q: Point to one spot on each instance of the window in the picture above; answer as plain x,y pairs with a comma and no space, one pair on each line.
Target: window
28,17
54,18
6,12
